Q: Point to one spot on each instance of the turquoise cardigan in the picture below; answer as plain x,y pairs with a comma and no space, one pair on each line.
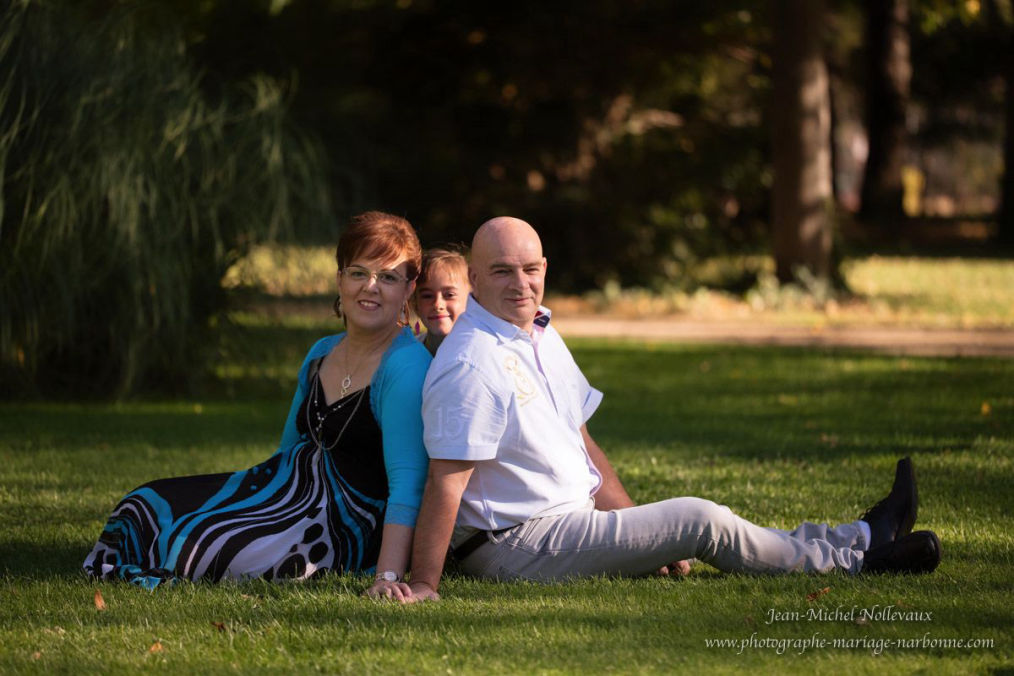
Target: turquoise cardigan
396,401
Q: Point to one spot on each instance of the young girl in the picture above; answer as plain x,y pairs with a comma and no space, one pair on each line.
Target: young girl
441,293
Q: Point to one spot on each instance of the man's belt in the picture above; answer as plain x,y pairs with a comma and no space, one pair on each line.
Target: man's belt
476,540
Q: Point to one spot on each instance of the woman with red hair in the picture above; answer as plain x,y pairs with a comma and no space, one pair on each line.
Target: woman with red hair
342,491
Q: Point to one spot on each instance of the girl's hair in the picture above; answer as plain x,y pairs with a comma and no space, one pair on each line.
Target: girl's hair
451,258
377,235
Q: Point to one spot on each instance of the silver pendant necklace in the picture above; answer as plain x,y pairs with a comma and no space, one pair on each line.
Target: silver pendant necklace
347,380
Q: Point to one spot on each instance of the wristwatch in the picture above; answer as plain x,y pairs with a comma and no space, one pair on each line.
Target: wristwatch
388,576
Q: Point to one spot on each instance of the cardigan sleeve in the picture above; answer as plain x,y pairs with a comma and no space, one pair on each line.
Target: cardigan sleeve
397,405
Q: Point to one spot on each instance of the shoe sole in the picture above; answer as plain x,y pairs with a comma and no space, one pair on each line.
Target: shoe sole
936,553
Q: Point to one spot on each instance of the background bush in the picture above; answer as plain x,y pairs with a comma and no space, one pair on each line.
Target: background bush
126,195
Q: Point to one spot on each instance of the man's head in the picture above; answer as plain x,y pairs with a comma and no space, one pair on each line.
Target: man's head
508,270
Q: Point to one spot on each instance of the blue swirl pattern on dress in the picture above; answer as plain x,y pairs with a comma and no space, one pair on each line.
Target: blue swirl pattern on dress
292,516
342,471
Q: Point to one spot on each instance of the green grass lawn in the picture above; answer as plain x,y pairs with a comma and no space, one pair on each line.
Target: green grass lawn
778,435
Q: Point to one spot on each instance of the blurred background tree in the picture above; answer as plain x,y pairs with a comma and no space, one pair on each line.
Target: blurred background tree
888,83
643,138
802,209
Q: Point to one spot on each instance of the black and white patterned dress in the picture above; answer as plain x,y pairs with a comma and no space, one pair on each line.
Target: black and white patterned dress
316,506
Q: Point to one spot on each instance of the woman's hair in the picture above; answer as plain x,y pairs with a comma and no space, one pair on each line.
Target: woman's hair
375,234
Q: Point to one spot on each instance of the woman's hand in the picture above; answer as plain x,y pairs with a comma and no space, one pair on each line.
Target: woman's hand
396,591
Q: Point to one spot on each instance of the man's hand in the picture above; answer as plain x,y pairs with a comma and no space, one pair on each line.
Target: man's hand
421,591
396,591
676,568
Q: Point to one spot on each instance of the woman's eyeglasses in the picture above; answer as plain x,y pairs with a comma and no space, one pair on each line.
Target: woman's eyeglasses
359,274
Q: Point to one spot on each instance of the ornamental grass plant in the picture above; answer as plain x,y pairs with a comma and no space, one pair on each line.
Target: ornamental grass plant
127,192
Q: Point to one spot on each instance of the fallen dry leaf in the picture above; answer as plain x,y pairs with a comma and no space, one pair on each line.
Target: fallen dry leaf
862,621
37,655
255,599
100,603
156,647
219,626
817,594
986,409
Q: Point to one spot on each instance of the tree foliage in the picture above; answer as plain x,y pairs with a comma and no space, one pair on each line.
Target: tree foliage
631,134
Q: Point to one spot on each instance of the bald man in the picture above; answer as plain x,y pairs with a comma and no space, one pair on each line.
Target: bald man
519,489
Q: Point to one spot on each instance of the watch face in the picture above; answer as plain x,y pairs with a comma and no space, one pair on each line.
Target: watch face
388,576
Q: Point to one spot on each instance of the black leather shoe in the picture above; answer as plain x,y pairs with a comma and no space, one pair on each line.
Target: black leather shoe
894,516
917,552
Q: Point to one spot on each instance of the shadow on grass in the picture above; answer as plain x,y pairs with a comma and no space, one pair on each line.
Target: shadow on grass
38,561
33,426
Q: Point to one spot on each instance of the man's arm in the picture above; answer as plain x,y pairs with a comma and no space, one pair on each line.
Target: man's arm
611,494
445,484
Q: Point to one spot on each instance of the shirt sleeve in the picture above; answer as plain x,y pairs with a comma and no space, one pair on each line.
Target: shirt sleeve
592,399
464,418
400,419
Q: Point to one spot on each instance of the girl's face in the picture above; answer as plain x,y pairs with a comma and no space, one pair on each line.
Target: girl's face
440,300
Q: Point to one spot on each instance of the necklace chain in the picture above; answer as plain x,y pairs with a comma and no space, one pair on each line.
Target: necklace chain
315,394
347,380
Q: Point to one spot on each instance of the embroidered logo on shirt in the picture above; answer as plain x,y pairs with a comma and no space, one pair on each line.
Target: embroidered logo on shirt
525,389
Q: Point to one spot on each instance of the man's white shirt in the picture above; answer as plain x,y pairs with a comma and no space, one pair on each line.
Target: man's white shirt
514,405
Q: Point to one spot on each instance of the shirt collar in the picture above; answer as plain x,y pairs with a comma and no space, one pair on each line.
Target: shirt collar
504,330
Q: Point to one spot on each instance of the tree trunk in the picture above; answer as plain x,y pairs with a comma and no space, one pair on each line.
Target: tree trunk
801,135
889,77
1005,217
